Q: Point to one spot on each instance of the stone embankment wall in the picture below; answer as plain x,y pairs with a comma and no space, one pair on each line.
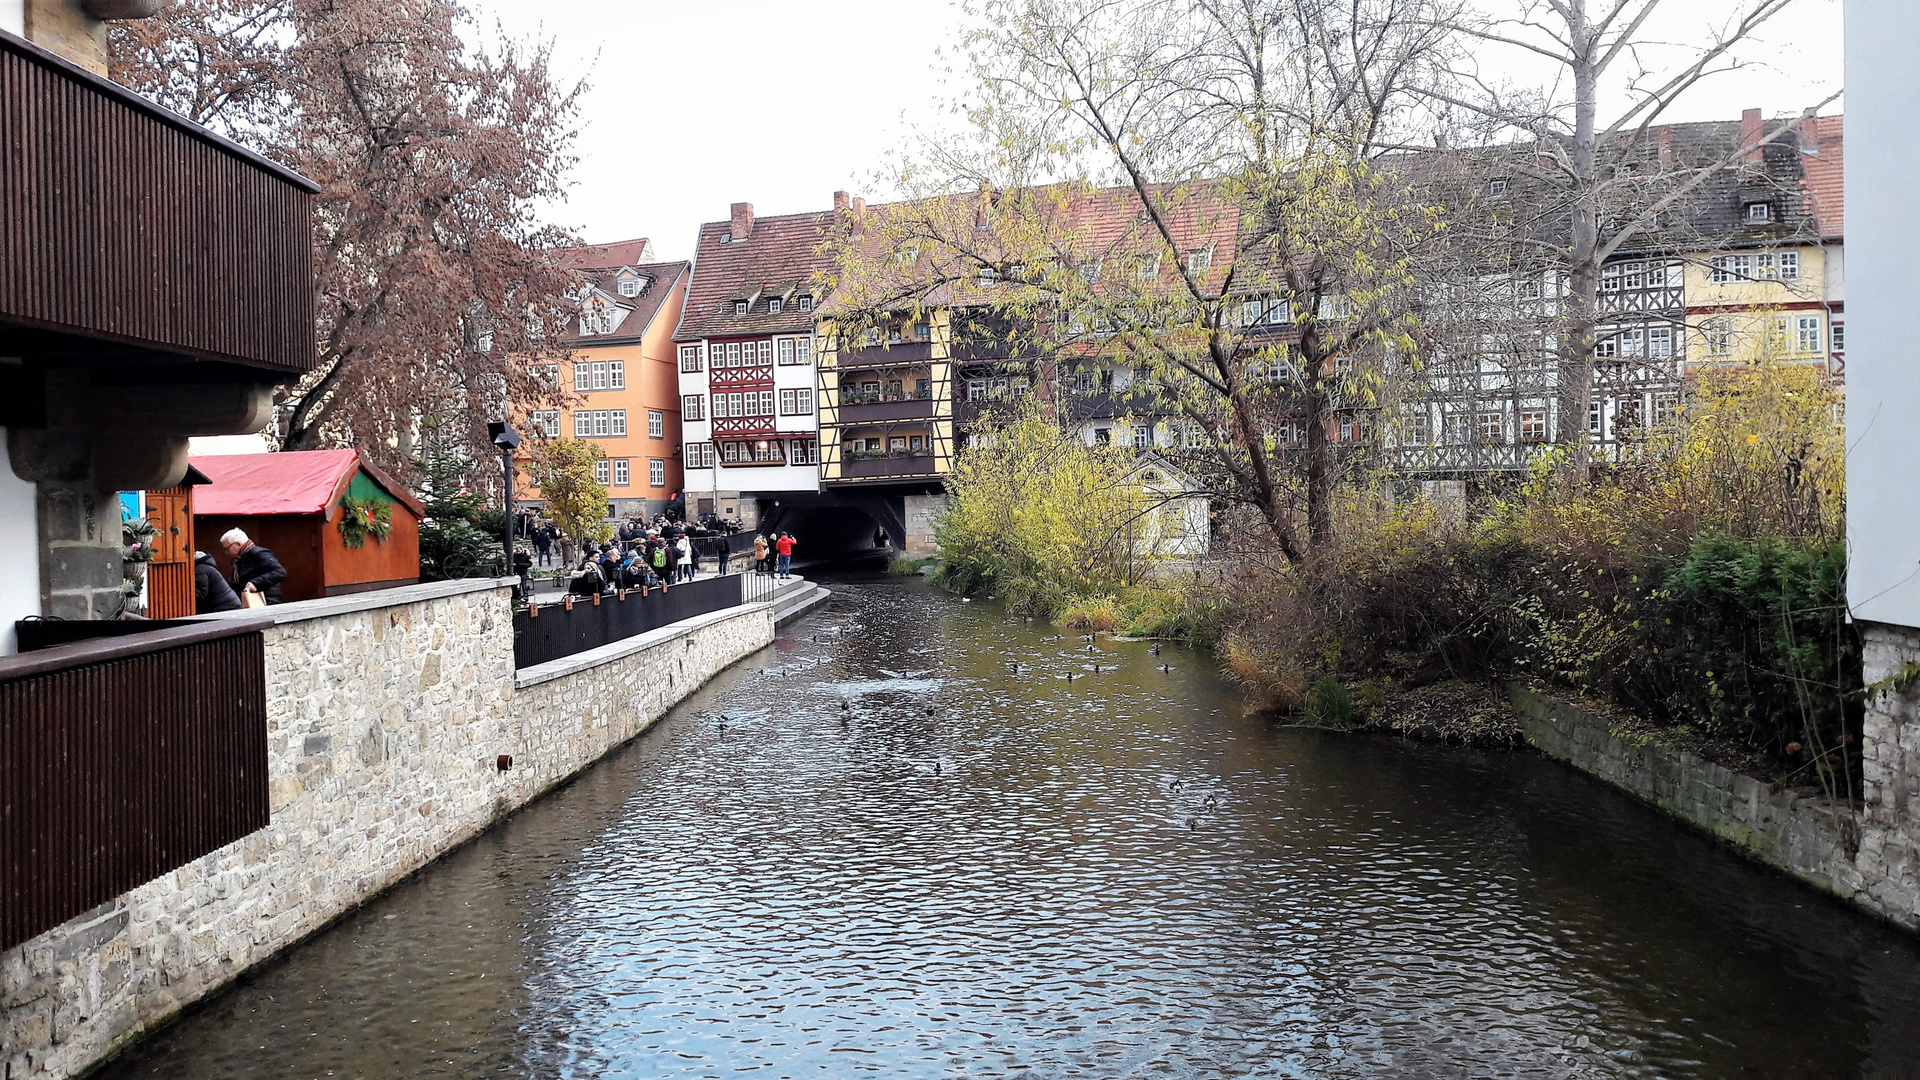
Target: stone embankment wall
1865,858
386,714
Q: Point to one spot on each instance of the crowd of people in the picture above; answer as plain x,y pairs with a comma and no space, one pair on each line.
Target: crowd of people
649,555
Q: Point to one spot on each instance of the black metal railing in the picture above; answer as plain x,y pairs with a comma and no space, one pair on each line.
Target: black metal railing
123,758
553,631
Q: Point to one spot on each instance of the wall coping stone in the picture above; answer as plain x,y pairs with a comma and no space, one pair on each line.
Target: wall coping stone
605,654
327,607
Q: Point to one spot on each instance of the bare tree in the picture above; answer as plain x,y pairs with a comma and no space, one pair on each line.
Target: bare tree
1242,140
1597,181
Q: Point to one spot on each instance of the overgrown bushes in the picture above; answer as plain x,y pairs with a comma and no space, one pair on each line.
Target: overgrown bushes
1698,583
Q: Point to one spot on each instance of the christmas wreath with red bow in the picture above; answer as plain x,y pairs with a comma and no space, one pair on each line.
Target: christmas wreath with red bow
361,518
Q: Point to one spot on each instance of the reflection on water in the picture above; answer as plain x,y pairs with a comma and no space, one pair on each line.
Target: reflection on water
905,842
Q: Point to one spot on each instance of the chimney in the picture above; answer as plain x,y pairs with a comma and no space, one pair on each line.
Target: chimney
840,203
1751,131
859,208
742,221
1664,136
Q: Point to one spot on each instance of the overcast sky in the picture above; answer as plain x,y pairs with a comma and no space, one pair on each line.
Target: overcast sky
696,105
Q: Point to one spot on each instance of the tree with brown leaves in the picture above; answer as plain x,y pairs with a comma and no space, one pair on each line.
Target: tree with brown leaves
435,284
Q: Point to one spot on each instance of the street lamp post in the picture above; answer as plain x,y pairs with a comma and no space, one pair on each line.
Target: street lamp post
507,440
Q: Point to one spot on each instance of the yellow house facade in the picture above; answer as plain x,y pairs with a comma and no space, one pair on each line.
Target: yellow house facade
1761,301
886,402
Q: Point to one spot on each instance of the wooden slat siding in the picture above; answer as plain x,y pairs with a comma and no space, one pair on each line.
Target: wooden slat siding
122,760
121,222
170,591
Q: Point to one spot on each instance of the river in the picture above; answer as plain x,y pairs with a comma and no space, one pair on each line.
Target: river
917,838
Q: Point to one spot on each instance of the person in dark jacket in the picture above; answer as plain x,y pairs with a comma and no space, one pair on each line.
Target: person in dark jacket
254,567
211,591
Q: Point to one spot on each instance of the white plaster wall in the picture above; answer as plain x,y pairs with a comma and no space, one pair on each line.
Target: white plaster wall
1883,347
20,577
13,17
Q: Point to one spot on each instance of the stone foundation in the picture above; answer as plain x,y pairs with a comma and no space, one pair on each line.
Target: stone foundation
1889,859
387,713
1866,858
921,512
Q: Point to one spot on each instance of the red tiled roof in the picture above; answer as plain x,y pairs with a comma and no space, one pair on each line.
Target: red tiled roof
1826,175
293,482
641,310
606,256
779,258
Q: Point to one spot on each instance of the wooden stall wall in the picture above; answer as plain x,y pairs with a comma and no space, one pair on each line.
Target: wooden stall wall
295,539
170,575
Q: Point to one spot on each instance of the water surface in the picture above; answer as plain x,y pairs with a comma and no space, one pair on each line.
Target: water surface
915,838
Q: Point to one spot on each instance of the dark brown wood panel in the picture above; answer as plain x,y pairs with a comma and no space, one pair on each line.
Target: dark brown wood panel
121,760
123,223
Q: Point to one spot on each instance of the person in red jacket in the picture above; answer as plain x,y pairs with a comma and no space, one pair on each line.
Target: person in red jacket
783,547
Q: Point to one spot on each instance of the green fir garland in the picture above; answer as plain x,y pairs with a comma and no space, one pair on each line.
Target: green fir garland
361,518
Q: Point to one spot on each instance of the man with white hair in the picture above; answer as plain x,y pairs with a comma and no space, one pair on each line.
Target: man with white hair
255,569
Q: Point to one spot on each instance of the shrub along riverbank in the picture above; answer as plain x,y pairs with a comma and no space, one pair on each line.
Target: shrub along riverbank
1696,581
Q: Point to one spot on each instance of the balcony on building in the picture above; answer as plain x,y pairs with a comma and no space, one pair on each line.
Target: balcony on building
888,453
890,394
158,281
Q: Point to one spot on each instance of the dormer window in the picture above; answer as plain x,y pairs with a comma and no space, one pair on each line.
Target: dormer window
1759,213
739,307
1199,262
773,306
805,303
630,287
1496,188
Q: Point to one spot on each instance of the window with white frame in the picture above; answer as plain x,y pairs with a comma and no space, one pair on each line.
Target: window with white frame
630,287
1806,329
689,358
1200,261
785,351
583,424
1191,437
1416,431
1839,335
1727,269
1251,312
698,455
1633,342
1496,188
602,471
582,376
616,374
740,307
544,423
803,350
797,402
1610,278
1659,342
729,453
656,472
656,424
616,422
1758,212
1778,338
1491,427
1533,425
545,374
773,306
1148,269
693,407
803,452
766,352
1606,345
1718,336
1666,408
1142,436
1530,289
1789,265
622,472
804,303
1594,418
1279,310
602,422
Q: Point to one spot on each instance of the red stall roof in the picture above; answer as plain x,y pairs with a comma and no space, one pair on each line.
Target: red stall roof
291,482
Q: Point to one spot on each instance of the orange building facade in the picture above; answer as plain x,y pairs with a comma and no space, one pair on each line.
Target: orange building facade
623,375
